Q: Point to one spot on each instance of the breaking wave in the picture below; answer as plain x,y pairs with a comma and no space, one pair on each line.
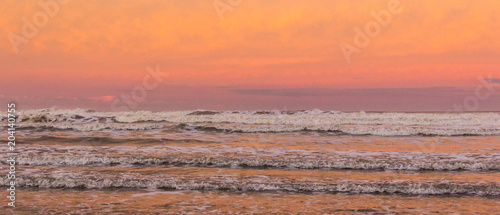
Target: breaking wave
354,123
353,163
233,128
349,129
310,117
217,183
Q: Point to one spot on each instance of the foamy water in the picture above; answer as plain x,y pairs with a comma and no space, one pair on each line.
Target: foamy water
317,154
357,123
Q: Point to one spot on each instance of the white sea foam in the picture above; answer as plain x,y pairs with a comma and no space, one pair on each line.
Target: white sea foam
364,161
357,123
312,117
277,184
379,130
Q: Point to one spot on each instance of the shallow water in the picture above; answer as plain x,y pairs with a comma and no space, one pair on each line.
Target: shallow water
135,201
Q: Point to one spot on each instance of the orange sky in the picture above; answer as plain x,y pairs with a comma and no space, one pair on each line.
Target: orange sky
92,49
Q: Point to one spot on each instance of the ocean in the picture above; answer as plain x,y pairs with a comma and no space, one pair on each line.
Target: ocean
80,161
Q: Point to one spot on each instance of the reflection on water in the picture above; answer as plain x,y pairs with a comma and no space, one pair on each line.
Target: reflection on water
122,201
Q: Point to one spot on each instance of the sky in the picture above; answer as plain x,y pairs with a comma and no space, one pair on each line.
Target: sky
371,55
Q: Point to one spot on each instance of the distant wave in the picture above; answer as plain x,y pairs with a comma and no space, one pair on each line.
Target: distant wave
334,122
218,183
310,117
